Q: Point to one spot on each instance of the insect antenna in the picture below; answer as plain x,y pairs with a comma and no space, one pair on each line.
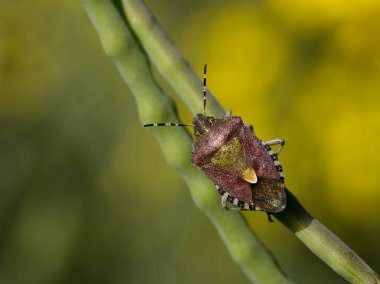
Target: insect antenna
204,89
184,124
167,124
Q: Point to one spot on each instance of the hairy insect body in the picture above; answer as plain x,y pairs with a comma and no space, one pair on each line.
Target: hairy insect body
238,163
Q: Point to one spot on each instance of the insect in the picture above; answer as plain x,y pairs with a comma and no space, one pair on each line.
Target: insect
244,169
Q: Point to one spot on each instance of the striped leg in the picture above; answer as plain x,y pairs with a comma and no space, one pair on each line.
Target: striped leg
240,205
277,141
224,204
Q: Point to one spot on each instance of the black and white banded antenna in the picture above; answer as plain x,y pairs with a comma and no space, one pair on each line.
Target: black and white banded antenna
167,124
204,89
185,124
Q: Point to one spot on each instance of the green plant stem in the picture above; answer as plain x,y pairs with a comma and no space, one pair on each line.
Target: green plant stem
325,244
154,105
177,72
168,59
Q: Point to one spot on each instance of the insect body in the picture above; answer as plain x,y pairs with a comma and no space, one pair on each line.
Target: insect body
244,169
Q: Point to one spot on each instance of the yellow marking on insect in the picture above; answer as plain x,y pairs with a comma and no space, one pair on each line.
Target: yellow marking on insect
249,175
231,157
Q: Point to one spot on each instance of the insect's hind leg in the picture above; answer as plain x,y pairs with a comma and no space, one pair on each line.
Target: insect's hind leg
224,201
270,217
225,206
277,141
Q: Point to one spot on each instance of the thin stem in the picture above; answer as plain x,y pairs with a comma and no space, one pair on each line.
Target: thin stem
154,105
168,59
325,244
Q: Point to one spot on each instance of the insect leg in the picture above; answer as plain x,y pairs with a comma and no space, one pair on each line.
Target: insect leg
224,201
229,112
225,206
270,217
277,141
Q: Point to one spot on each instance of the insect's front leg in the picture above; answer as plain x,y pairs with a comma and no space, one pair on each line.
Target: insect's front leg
277,141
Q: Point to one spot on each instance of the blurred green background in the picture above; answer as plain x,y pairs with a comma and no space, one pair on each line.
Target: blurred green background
85,194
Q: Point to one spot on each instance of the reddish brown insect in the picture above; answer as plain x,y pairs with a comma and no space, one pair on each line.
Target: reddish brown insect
244,169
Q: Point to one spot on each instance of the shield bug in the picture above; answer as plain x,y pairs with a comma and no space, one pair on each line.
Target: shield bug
244,169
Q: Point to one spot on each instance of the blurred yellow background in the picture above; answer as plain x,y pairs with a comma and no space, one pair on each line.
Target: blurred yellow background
85,195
